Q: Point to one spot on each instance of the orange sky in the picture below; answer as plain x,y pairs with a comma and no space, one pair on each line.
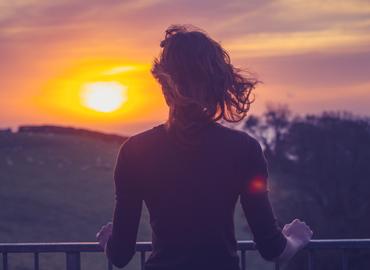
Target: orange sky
312,55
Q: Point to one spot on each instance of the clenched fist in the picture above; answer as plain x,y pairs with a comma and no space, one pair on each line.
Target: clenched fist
299,232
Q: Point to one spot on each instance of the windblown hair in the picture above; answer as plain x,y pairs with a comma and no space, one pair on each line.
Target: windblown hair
198,81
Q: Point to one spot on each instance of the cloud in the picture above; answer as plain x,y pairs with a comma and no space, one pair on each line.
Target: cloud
290,43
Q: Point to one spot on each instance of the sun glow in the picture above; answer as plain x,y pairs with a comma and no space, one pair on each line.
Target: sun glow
99,93
103,96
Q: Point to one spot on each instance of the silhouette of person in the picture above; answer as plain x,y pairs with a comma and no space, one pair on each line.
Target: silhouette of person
190,170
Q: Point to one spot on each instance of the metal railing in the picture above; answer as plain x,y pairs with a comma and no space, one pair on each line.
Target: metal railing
73,251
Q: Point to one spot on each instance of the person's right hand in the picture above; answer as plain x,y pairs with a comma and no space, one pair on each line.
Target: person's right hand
298,232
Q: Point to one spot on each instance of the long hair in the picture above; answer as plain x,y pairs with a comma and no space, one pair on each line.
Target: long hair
198,81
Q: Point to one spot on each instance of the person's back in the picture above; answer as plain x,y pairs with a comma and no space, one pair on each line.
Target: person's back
191,170
191,195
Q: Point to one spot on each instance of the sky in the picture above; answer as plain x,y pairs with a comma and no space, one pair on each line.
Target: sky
312,55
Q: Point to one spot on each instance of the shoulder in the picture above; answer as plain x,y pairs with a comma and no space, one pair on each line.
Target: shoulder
241,137
142,139
147,136
129,151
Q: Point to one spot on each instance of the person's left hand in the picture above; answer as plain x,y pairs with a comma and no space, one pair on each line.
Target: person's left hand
103,235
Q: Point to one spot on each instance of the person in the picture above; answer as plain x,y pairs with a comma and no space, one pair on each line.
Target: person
190,170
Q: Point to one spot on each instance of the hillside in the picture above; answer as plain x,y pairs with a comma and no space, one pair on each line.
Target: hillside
57,186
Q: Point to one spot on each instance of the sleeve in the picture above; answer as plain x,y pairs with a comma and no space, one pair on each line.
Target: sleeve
267,235
127,211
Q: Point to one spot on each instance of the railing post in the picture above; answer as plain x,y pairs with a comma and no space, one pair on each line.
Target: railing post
310,259
242,259
110,265
36,261
142,260
344,260
5,261
73,261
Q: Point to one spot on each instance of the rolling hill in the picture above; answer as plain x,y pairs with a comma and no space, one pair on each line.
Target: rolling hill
56,185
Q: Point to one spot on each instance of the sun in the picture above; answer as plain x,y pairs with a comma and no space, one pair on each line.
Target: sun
103,96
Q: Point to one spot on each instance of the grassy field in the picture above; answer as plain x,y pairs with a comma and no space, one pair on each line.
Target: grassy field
59,188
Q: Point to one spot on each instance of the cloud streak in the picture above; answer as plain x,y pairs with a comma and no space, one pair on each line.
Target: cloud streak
291,43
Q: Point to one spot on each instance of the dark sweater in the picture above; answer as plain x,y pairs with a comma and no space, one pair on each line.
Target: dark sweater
191,193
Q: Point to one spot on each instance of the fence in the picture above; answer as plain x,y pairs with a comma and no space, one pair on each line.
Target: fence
74,250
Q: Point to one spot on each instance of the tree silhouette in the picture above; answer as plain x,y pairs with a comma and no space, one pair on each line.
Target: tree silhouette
320,166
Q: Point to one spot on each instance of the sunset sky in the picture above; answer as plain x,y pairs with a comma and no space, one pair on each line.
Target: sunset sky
56,56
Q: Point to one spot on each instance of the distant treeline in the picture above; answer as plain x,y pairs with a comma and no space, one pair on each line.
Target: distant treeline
5,131
320,168
50,129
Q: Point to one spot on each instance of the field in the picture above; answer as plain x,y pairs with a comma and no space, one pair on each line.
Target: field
59,188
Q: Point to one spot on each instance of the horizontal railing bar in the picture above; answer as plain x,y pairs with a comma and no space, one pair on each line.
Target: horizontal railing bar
320,244
147,246
62,247
50,247
339,244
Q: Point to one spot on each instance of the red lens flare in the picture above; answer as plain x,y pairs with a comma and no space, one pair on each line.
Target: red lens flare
257,184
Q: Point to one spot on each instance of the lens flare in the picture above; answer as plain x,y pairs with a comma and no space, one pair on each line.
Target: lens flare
257,184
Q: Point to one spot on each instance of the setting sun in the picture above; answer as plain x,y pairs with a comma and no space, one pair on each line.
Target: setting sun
103,96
